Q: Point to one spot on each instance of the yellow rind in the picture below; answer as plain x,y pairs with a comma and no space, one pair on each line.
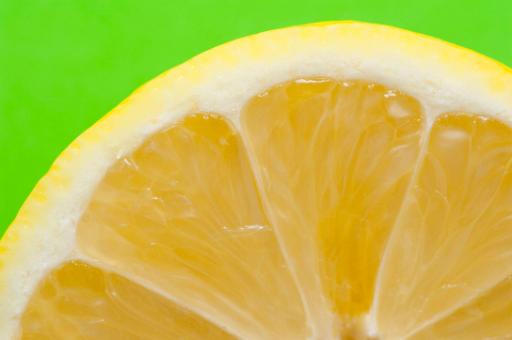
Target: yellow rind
444,77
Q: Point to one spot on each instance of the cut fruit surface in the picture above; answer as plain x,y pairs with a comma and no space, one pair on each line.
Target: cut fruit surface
77,301
334,160
206,241
487,317
328,181
454,239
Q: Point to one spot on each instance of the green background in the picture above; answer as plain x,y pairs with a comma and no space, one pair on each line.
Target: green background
65,63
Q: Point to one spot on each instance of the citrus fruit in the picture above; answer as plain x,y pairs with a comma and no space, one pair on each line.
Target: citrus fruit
336,180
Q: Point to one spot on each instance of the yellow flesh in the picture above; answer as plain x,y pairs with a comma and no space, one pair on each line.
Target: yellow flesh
205,239
488,317
454,238
344,201
339,160
78,301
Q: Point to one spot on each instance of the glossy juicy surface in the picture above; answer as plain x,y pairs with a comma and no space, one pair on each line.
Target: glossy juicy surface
334,160
336,210
454,239
183,213
77,301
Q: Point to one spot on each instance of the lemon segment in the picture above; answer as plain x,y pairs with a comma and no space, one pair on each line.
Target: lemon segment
488,317
333,160
182,213
77,301
340,180
453,240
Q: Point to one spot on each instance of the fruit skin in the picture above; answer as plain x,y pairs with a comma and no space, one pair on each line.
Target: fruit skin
444,77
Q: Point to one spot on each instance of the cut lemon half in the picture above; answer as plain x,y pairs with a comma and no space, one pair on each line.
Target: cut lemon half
337,180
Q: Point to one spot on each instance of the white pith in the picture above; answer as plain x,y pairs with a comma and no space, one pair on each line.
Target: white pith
222,81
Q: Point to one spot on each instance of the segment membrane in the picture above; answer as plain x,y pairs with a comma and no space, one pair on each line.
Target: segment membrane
488,317
339,167
333,161
454,239
77,301
183,214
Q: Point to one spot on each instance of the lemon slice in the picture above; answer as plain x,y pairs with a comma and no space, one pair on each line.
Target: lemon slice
327,181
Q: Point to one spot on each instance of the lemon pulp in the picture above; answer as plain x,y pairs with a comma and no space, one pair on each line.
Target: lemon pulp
338,209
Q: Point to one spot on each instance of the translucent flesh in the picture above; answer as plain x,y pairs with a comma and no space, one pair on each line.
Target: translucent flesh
488,317
77,301
349,207
334,160
454,239
183,214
